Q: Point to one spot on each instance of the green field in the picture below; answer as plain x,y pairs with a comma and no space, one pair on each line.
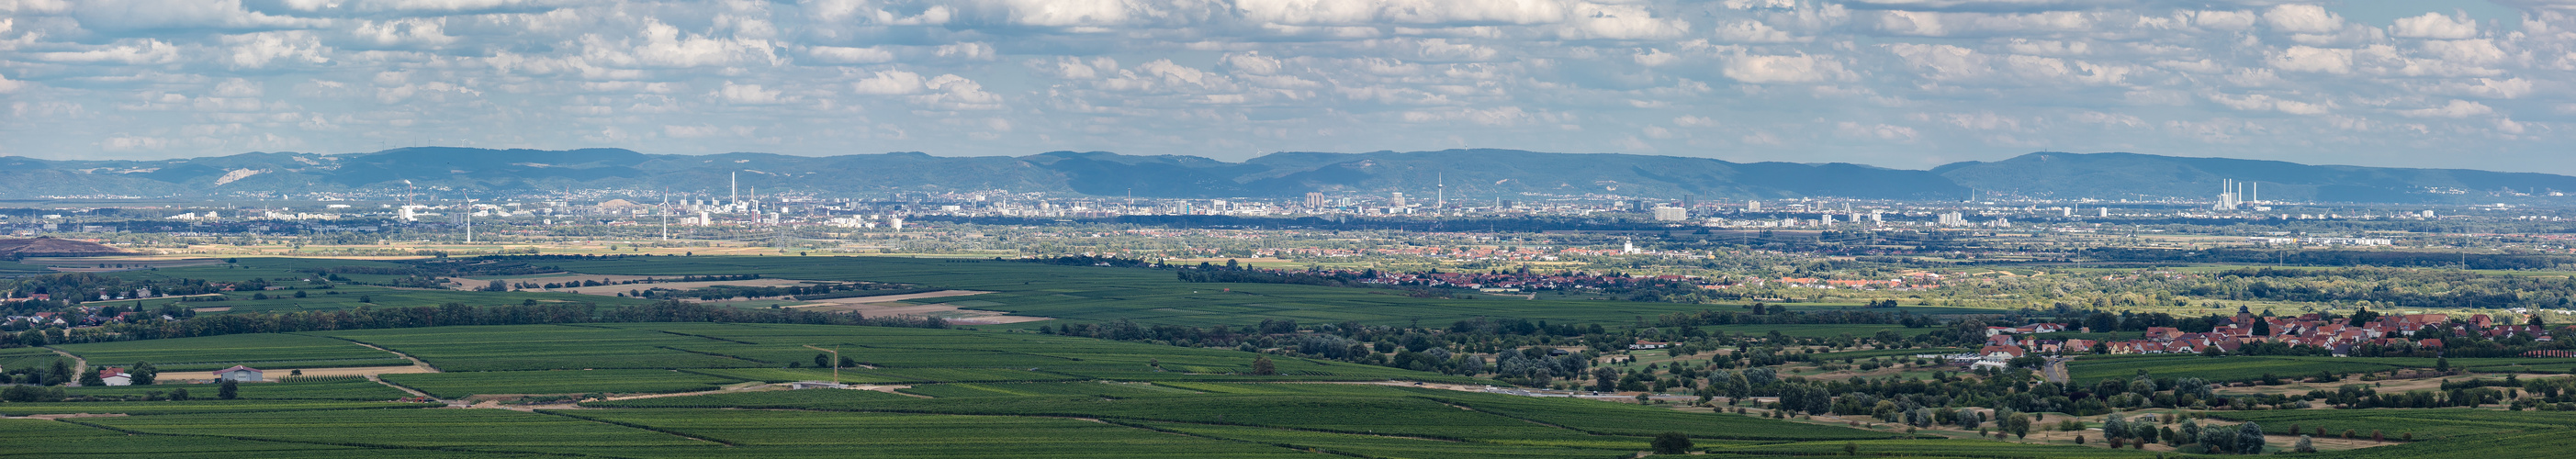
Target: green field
28,357
459,385
195,406
265,351
332,388
544,347
2230,368
2425,424
354,296
1151,296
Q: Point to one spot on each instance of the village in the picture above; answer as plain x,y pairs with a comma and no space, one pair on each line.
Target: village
2318,333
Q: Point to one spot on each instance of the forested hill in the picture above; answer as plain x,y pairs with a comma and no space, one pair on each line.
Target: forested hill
1479,175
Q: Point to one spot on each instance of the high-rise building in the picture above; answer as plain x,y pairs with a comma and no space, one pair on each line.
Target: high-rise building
1671,214
1314,200
1397,200
2104,212
1954,219
1752,206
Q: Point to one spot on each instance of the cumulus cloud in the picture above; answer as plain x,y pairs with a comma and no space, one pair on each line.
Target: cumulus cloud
2435,25
2302,19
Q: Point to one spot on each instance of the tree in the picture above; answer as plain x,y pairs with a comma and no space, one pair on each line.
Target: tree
1851,448
2018,425
822,360
1262,366
847,362
230,390
144,373
91,379
2303,445
2442,364
62,372
497,286
179,395
2249,438
1672,443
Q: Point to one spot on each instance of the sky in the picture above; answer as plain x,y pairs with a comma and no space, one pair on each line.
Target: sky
1891,83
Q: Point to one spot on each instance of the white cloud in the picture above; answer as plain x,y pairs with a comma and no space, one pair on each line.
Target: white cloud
2265,102
132,15
1592,21
749,94
2435,25
849,55
977,51
1345,12
258,50
1751,32
1694,121
1879,131
889,82
2302,19
10,86
404,32
2456,109
131,52
1759,69
2305,58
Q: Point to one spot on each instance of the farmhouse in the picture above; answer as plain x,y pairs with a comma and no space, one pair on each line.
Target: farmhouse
114,376
1997,356
1644,344
238,373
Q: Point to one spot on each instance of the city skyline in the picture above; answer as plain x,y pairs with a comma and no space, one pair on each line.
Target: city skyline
1890,83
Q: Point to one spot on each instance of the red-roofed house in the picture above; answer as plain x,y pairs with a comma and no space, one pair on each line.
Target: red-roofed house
114,376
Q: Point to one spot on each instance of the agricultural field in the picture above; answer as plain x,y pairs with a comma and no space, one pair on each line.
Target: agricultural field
833,434
2225,369
546,347
461,385
354,296
2422,424
197,405
295,388
65,439
27,357
1102,294
188,358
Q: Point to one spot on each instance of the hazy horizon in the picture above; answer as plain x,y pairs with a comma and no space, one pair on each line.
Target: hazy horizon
1907,84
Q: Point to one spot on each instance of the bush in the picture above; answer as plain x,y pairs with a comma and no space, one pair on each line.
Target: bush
1672,443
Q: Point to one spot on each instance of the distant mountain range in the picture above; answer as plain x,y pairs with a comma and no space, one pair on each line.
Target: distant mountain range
1477,174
